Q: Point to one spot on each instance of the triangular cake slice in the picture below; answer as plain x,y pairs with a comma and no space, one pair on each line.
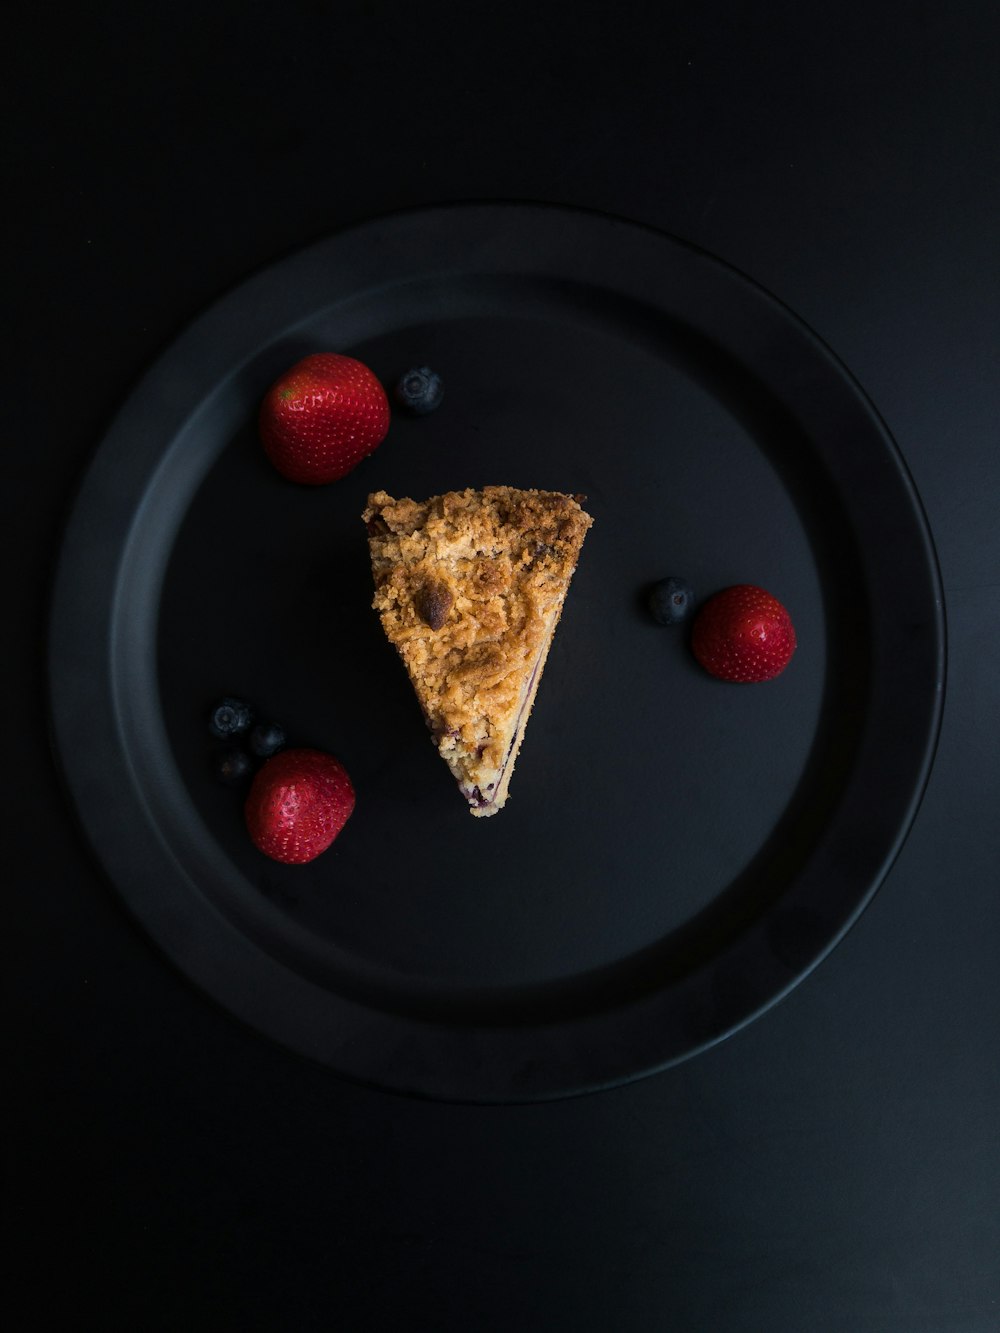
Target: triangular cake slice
470,586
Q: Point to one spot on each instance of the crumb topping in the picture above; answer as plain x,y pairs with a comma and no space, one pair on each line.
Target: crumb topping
469,586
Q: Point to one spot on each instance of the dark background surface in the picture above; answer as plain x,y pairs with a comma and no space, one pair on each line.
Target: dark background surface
834,1166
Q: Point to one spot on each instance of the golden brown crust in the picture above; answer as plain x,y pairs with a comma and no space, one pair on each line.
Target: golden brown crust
469,586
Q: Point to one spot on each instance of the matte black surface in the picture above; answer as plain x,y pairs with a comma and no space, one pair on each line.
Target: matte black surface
832,1166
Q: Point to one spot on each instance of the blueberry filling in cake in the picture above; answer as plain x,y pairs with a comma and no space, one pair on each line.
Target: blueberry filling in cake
470,586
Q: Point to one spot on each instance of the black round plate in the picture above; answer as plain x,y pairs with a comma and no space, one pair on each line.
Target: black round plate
677,852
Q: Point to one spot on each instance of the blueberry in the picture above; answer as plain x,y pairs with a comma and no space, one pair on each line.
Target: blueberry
670,601
420,390
266,739
233,765
229,717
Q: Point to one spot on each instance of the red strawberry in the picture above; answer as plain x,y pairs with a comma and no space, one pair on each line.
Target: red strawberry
322,417
298,803
743,633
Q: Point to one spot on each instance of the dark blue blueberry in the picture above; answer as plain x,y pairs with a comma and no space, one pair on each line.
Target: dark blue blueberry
420,391
229,717
233,765
670,601
266,739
